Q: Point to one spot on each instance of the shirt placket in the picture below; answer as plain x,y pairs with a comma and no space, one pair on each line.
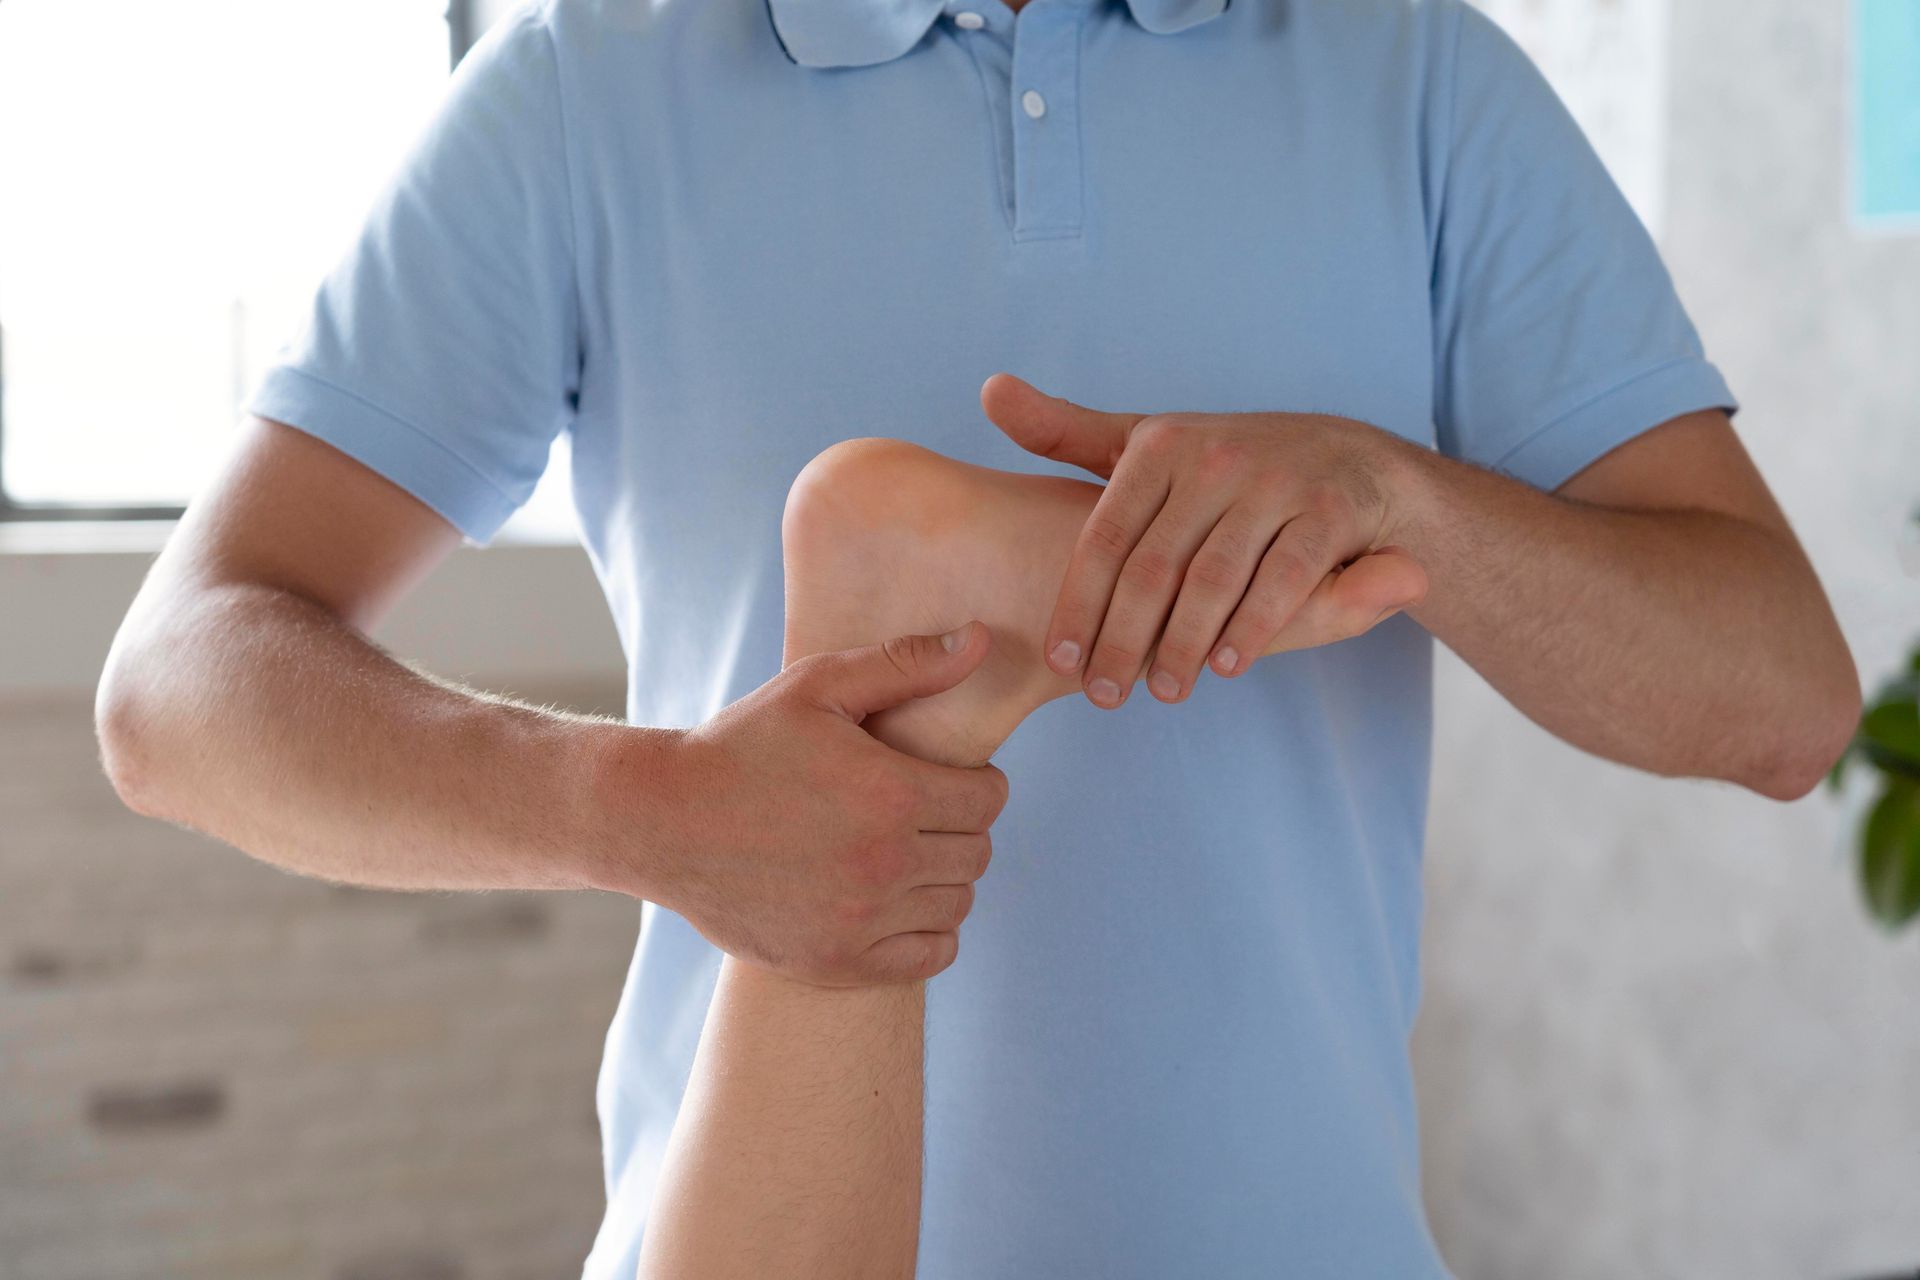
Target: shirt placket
1034,103
1045,92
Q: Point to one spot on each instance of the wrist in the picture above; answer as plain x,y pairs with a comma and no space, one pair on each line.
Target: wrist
630,838
1410,478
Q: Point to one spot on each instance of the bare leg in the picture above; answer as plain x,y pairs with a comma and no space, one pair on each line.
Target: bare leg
797,1151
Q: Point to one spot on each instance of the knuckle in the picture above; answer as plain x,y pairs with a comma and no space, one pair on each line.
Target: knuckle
1231,540
806,673
983,857
1330,502
1149,567
1105,537
1311,543
1156,434
1273,485
902,802
889,800
904,652
999,789
1262,617
877,864
1222,458
960,906
1215,570
1291,568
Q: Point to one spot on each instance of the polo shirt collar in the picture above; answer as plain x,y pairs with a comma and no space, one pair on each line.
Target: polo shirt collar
859,33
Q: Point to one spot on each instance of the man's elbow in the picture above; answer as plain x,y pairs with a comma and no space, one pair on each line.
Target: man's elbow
1805,750
128,751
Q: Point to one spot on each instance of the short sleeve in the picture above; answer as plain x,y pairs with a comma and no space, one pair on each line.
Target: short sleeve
1558,334
443,349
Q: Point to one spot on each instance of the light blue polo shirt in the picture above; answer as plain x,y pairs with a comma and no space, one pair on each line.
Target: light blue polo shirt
708,238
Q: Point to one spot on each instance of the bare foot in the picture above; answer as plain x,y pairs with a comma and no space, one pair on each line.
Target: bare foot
884,538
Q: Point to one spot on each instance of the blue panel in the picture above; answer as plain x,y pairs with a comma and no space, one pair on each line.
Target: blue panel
1886,109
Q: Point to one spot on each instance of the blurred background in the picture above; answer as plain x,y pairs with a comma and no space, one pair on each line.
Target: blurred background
1662,1036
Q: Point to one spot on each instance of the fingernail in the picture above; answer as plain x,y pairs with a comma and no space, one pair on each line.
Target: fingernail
1164,686
954,640
1226,660
1064,656
1384,615
1105,692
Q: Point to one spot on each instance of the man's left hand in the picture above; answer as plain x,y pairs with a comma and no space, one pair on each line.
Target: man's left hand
1220,537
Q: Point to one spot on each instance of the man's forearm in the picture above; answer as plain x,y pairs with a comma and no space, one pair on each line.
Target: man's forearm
261,718
1685,642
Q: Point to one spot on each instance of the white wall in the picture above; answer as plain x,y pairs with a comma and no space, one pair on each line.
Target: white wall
1661,1038
470,619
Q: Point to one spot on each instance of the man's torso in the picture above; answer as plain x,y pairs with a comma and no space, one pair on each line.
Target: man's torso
1175,1041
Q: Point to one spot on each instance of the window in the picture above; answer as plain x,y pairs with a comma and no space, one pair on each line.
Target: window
178,178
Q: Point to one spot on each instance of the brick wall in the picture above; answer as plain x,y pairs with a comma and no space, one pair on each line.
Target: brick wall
210,1069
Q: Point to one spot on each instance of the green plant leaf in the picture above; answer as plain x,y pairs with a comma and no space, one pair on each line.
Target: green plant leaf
1890,728
1890,854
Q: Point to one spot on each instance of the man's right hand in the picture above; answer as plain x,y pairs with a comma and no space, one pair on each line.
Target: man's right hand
243,698
793,839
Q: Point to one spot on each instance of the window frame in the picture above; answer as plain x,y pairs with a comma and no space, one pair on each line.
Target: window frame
462,21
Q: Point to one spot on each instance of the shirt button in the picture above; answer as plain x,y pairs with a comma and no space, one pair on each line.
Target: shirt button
1033,104
969,21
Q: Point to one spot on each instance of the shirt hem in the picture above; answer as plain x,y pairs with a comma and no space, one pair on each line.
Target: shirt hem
1564,447
405,454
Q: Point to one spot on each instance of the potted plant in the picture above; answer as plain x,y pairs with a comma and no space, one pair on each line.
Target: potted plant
1888,742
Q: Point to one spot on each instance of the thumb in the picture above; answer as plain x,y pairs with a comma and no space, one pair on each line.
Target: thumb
859,682
1381,582
1055,428
1354,600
